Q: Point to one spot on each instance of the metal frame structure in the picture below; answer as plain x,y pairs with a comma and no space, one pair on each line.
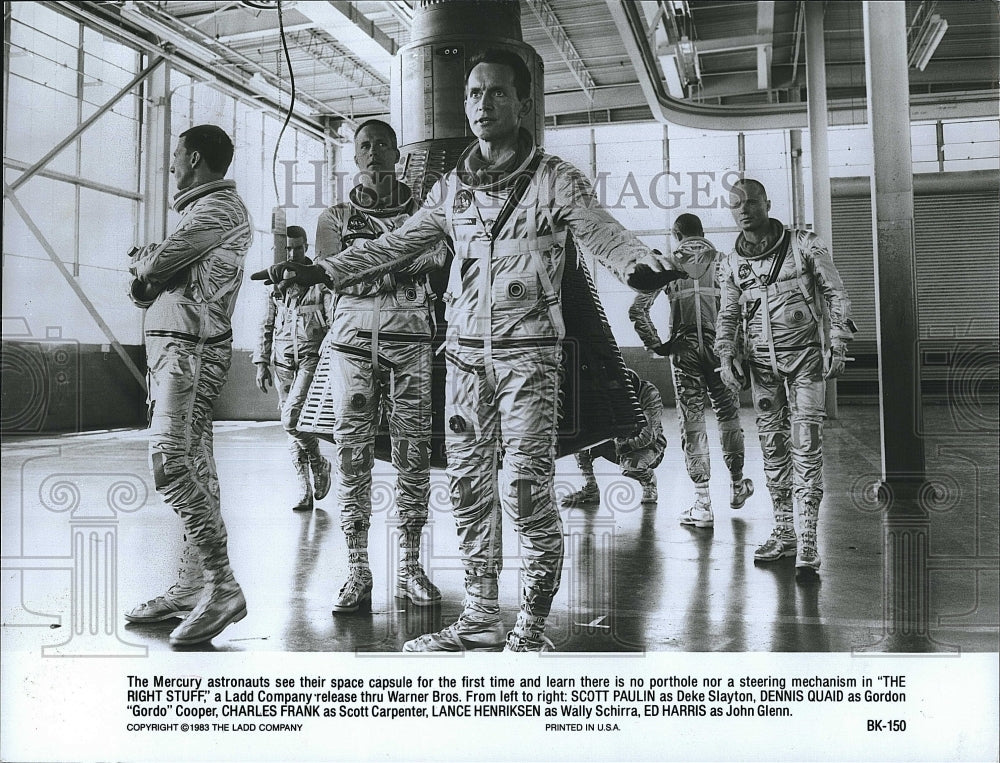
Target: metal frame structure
9,192
155,153
634,29
557,34
197,62
342,64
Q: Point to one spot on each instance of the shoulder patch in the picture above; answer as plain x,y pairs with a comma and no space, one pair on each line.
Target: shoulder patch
463,200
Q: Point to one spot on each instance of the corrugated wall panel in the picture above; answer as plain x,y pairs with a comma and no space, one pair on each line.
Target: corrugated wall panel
957,251
958,248
852,253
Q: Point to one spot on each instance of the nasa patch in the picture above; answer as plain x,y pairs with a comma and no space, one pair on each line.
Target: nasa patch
463,200
744,271
356,222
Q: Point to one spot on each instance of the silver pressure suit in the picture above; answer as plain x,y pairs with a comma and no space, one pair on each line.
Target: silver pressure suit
694,308
189,337
380,345
640,454
781,312
503,346
290,338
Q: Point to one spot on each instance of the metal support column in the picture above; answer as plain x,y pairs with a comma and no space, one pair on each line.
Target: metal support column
906,527
7,16
939,136
798,185
156,151
819,147
668,241
895,267
593,155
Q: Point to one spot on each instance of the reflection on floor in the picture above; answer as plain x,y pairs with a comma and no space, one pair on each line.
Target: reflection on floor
85,536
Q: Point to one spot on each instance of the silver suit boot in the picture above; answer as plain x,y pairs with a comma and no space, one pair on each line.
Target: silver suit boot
411,581
478,629
357,589
221,604
303,487
180,598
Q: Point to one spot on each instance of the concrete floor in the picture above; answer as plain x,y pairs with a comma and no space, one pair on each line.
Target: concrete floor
85,537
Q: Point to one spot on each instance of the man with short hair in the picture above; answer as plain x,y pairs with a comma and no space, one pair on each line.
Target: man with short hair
694,307
380,347
293,329
780,289
504,340
188,285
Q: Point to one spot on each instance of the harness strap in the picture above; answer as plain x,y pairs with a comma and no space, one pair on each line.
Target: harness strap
697,314
782,287
713,290
484,317
376,324
535,246
766,322
379,223
765,291
521,184
455,276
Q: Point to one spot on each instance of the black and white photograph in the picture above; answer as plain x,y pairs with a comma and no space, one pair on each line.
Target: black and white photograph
495,380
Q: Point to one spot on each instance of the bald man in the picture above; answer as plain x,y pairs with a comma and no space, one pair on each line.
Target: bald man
780,289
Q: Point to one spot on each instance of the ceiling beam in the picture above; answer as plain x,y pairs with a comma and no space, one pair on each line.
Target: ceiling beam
355,31
266,33
718,45
342,64
765,30
612,97
667,52
401,10
215,57
764,67
564,46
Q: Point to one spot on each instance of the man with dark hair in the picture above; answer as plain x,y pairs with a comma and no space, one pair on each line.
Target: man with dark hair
503,353
785,308
293,329
212,144
189,284
694,307
380,347
509,59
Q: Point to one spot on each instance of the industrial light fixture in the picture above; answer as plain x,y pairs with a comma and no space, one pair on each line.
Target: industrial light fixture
680,67
926,40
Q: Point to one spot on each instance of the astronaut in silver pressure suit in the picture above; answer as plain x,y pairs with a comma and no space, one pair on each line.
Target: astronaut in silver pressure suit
780,289
188,285
287,354
504,341
380,347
